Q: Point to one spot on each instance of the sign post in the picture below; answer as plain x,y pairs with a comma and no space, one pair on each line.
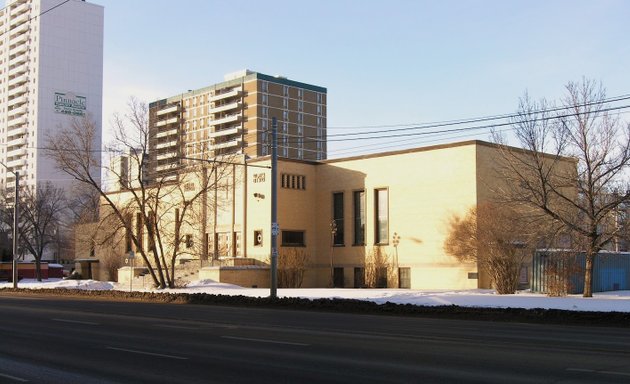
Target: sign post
275,228
130,259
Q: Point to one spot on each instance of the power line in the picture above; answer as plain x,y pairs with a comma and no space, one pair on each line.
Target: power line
477,119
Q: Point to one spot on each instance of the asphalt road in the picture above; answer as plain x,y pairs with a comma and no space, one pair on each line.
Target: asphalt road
64,340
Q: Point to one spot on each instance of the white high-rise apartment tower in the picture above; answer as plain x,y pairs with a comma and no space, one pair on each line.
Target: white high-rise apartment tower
51,71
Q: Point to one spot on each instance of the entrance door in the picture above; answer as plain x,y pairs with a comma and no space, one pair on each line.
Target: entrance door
338,277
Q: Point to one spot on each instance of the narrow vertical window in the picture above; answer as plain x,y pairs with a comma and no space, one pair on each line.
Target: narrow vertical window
359,217
338,218
381,216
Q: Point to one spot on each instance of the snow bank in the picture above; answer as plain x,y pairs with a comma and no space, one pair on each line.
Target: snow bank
618,301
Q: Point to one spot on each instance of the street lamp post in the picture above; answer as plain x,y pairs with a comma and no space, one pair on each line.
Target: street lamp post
395,242
14,266
333,232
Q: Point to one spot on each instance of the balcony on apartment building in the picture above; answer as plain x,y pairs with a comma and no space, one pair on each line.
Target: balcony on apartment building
19,162
225,132
19,140
17,70
170,132
170,166
20,8
20,120
167,110
15,32
168,155
225,107
17,111
17,152
18,49
17,100
167,144
226,144
18,80
227,93
172,120
19,40
19,19
17,131
17,90
20,59
226,119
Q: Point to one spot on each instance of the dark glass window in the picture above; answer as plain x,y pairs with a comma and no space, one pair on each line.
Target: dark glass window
359,217
293,239
381,216
338,218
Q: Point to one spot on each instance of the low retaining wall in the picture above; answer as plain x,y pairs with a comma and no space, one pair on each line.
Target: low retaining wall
244,276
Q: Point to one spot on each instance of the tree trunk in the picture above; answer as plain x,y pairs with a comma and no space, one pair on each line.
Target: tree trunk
588,271
38,269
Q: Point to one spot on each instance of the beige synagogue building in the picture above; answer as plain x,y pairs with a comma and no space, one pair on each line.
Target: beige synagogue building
397,202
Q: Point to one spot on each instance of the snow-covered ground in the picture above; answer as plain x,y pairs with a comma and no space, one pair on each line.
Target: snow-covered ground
606,301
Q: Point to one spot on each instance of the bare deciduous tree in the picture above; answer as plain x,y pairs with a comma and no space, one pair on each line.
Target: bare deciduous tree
584,197
157,217
377,268
291,267
40,214
497,238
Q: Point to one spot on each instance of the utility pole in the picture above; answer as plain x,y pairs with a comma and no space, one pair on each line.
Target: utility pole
15,229
275,228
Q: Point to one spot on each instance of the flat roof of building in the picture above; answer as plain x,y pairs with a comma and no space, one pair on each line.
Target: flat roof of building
235,79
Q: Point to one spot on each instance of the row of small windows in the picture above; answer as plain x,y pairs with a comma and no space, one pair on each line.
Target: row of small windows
293,181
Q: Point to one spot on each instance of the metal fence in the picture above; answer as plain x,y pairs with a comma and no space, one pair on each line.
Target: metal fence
611,271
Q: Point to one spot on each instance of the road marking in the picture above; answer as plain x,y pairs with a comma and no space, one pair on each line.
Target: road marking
148,353
13,378
174,326
600,372
615,373
75,321
265,341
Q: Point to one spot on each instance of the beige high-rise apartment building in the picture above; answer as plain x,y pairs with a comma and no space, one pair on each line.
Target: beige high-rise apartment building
235,117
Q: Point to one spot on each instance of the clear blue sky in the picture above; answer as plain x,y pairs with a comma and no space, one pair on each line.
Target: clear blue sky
383,62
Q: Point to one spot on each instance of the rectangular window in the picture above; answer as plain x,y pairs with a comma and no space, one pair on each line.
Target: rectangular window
359,217
258,238
293,239
338,218
223,244
359,277
381,216
404,278
189,241
139,230
338,279
237,244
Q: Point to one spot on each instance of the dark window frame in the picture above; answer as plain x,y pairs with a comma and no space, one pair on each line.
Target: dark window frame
338,218
286,234
381,237
358,217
